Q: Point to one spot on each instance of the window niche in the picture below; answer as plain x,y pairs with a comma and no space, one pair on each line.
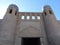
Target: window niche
38,17
28,17
22,17
50,12
33,17
10,11
16,13
45,13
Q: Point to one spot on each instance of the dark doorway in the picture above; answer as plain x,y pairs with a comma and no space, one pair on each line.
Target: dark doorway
31,41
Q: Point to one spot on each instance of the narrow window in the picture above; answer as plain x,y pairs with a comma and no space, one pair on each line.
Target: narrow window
45,13
38,17
22,17
28,17
16,13
10,11
50,11
33,17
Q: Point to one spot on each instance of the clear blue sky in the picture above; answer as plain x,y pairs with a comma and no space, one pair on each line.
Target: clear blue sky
30,6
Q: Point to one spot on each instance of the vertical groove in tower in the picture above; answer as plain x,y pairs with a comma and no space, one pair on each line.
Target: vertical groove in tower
9,26
51,25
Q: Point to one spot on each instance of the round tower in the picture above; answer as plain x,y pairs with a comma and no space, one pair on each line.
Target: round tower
51,26
9,25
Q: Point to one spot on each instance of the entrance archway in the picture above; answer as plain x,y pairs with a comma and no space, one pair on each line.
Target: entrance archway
31,41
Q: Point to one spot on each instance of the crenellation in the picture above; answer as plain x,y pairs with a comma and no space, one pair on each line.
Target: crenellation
30,16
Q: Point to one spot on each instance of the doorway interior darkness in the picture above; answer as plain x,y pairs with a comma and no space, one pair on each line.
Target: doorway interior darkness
31,41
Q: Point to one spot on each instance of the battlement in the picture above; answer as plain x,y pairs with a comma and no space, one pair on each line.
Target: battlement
29,16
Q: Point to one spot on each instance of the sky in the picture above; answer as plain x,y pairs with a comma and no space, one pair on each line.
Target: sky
30,6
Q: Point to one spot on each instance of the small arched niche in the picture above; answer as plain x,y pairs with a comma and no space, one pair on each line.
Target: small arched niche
45,13
50,12
15,12
10,11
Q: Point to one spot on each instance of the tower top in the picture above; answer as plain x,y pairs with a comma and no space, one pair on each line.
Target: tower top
13,6
47,7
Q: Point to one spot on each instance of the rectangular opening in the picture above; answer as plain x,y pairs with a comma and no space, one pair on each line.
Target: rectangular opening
31,41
